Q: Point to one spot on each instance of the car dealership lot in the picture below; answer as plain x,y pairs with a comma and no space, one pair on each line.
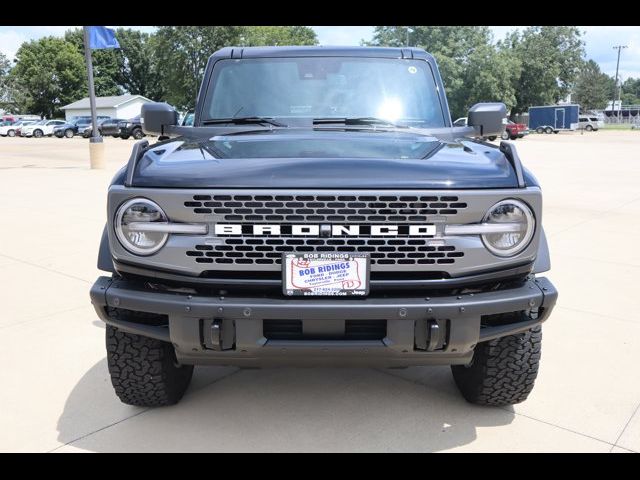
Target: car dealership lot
57,394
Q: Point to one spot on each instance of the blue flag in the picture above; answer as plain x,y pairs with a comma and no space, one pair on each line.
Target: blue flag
102,37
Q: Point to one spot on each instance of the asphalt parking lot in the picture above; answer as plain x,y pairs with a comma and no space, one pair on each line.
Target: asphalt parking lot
56,394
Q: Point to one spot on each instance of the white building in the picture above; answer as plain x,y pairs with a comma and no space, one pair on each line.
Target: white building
122,106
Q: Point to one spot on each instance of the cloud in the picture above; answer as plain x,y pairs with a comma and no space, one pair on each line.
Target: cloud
343,36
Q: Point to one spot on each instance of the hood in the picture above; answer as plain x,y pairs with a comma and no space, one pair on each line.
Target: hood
324,159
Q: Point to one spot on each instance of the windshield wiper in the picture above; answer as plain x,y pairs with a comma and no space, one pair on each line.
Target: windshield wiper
356,121
243,121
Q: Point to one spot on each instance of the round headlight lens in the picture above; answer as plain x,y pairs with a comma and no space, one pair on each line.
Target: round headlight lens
129,226
511,242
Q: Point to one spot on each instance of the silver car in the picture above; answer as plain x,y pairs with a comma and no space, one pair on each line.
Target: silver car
589,123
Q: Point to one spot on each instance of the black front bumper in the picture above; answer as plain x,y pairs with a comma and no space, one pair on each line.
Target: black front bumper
436,330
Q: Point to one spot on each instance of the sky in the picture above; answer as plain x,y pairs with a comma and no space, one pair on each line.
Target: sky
599,41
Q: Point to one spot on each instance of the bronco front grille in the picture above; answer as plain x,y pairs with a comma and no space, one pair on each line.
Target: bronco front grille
324,208
268,251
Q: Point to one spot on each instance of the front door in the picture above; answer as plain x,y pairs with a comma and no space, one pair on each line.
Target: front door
559,118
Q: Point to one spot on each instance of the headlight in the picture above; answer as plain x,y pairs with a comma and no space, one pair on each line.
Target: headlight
129,226
519,234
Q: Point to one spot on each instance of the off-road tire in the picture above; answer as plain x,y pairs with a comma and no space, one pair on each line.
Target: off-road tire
144,371
503,371
137,133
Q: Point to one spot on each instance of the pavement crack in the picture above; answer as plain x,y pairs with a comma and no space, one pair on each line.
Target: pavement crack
47,269
625,427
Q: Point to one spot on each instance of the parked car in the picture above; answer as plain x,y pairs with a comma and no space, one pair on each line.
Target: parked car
108,127
589,123
77,126
188,119
88,131
131,128
329,244
12,129
462,122
41,128
514,130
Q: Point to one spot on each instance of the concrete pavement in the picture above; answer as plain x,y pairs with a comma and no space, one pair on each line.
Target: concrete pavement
56,394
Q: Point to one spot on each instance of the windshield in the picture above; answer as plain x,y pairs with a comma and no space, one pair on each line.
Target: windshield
398,90
41,122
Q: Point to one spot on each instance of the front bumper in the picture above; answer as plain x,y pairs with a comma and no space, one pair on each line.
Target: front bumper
436,330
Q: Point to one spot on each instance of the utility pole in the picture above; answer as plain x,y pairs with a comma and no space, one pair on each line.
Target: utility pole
407,39
615,86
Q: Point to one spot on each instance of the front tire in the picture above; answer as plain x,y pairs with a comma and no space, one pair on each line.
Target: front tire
68,133
38,133
11,133
144,371
502,371
137,134
588,128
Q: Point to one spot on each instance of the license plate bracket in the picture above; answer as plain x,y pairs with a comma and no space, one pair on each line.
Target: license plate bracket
326,274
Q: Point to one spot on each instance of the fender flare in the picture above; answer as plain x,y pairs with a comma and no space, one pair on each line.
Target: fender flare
543,260
105,261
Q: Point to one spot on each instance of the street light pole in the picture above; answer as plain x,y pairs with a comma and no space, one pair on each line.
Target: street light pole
615,86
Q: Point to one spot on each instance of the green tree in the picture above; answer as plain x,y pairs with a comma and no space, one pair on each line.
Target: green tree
278,35
183,52
51,73
630,91
593,88
472,68
138,67
5,65
550,58
105,65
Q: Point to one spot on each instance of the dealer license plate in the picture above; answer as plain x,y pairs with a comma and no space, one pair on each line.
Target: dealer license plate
325,274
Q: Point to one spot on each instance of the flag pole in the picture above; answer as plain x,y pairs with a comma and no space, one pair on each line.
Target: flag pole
96,146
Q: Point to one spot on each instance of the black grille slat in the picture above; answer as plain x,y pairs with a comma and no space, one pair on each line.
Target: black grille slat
319,208
247,250
353,330
364,210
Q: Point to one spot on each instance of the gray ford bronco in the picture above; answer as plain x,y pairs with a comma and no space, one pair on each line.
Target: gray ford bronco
322,210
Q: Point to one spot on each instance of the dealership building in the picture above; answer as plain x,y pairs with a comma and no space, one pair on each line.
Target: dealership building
121,106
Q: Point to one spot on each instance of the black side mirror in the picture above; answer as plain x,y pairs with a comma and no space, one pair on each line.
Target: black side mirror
156,117
488,119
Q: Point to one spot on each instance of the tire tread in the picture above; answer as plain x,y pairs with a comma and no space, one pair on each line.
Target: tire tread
503,371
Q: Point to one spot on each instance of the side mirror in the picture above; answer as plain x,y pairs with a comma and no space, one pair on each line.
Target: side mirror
156,117
488,119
